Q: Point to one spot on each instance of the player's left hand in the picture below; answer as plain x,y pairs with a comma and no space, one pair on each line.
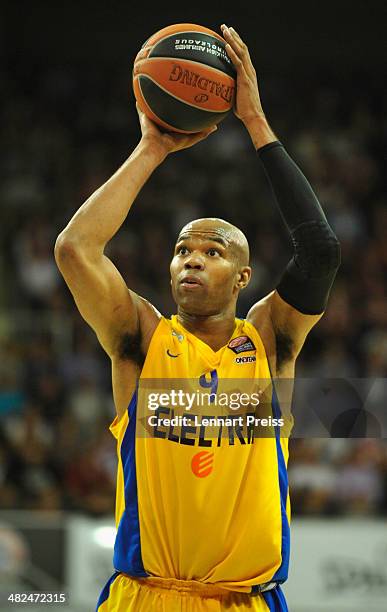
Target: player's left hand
248,105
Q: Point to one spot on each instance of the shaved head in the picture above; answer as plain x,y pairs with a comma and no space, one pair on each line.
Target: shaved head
209,267
220,231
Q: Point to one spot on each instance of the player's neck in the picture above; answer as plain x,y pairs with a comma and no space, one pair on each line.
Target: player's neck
214,330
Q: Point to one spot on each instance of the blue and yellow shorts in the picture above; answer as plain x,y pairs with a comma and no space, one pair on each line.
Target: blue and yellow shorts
125,594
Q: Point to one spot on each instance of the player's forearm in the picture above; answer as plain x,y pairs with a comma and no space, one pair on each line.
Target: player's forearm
309,276
103,213
259,130
293,193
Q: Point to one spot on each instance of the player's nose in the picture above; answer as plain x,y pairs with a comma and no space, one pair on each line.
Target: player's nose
194,262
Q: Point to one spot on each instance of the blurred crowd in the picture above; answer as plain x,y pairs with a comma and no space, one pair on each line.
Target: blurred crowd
64,130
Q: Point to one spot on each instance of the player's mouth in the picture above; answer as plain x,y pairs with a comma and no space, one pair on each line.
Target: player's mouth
191,282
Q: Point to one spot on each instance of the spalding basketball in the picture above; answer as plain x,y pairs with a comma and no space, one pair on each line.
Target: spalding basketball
187,82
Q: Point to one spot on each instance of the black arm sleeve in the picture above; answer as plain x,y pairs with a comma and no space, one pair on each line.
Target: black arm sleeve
309,276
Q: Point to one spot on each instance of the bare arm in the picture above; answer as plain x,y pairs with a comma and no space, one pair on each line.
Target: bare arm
100,293
283,331
99,290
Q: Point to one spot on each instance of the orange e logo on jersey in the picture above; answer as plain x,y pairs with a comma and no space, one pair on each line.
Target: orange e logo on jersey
202,464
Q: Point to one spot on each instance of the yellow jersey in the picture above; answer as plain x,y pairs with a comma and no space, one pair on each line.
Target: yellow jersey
199,499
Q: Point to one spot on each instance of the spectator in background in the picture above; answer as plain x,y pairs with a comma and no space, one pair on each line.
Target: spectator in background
9,491
360,482
312,481
37,274
88,405
90,485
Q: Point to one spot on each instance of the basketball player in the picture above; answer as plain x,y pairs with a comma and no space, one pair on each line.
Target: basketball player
203,524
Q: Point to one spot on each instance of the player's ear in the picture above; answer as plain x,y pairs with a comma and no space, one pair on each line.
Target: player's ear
244,276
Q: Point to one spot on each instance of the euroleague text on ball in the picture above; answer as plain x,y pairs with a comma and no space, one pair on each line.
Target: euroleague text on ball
202,45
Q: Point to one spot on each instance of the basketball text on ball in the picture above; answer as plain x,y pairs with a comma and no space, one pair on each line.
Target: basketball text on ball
195,80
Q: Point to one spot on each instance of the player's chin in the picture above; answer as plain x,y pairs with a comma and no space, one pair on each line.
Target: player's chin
194,304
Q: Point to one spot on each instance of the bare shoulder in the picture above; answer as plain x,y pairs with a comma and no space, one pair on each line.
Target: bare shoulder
259,317
278,344
133,344
132,348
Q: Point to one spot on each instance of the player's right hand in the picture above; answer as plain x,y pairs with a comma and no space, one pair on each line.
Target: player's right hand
168,142
164,142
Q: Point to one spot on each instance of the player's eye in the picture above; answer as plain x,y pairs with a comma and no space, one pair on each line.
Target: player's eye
182,250
212,252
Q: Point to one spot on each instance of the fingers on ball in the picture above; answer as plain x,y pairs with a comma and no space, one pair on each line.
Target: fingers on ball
236,60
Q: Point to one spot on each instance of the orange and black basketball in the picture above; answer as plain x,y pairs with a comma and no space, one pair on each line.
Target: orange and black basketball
187,82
